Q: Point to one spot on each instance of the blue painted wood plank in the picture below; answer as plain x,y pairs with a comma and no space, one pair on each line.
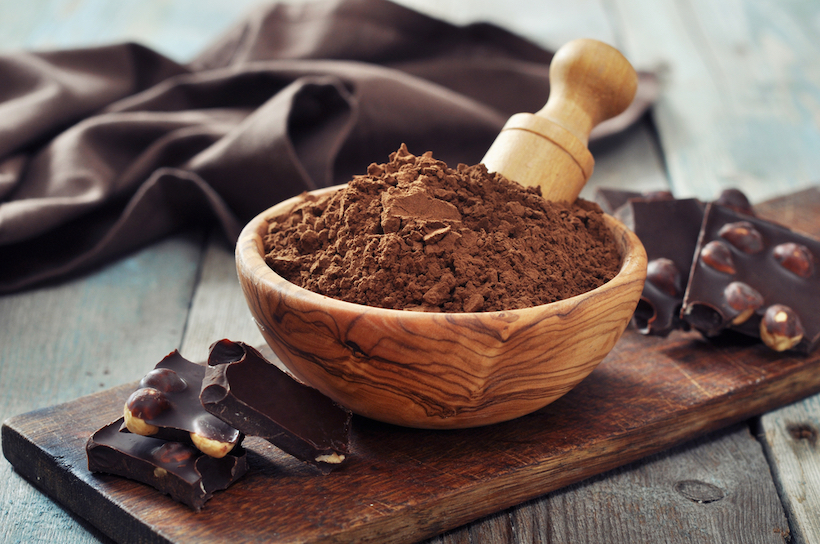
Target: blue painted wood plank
178,29
741,91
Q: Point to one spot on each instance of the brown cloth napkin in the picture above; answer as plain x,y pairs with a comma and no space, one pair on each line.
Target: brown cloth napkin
104,150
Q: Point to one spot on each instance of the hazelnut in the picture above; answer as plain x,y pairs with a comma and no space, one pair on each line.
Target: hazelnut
743,298
780,328
796,258
663,274
145,403
173,452
735,200
743,236
331,458
164,379
137,425
716,255
213,437
211,447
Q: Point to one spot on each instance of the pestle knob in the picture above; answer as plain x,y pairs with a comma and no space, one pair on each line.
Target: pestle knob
590,82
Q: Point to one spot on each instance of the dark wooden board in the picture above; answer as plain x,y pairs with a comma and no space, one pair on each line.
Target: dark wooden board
403,485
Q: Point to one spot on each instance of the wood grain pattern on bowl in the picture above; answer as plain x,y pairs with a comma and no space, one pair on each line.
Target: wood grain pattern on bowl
437,370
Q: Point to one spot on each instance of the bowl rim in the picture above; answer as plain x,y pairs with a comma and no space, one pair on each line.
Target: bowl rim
250,257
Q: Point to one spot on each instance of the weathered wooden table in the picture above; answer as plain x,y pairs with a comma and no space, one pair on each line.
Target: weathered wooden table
740,107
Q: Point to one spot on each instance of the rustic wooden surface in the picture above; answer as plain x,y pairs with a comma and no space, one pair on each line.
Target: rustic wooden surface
401,484
740,104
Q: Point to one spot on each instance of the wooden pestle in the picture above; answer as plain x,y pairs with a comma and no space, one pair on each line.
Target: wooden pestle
590,82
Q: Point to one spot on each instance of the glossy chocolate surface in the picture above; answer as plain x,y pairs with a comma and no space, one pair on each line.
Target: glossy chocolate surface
244,389
179,382
174,468
754,253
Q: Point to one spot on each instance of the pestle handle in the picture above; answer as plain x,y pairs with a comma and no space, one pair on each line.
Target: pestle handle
590,82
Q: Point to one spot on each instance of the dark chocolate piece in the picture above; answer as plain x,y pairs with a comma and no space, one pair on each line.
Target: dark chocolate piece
668,230
166,405
244,389
176,469
745,265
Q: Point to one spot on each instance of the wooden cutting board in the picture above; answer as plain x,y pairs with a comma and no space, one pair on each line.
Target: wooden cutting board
403,485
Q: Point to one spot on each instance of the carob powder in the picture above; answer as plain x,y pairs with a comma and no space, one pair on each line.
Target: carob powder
414,234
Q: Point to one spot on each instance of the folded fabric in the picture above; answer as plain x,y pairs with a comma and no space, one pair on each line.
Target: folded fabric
104,150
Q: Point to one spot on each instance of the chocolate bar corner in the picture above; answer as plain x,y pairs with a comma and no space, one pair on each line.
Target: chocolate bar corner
244,389
668,230
166,405
756,277
179,470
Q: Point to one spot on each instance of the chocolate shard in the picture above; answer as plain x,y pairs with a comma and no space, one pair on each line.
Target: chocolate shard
166,406
244,389
772,266
668,230
173,468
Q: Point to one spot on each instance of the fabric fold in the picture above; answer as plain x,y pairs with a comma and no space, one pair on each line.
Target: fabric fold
104,150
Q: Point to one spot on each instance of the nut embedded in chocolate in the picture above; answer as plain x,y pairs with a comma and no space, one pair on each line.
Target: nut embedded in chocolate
743,236
743,298
173,452
716,255
735,200
179,470
250,393
210,440
765,272
144,403
163,379
780,328
664,275
796,258
176,414
669,232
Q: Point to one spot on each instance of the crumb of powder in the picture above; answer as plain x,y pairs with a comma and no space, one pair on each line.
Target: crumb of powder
414,234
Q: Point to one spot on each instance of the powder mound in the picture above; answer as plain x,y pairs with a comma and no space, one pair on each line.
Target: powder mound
414,234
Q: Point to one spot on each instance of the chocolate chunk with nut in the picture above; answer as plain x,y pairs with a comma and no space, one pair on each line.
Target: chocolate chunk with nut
668,229
742,235
743,298
796,258
736,200
166,405
780,328
755,277
253,395
176,469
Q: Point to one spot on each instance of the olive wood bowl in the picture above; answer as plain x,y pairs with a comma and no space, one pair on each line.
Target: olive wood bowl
437,370
454,370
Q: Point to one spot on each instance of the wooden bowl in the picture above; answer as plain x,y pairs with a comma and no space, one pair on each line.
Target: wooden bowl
437,370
